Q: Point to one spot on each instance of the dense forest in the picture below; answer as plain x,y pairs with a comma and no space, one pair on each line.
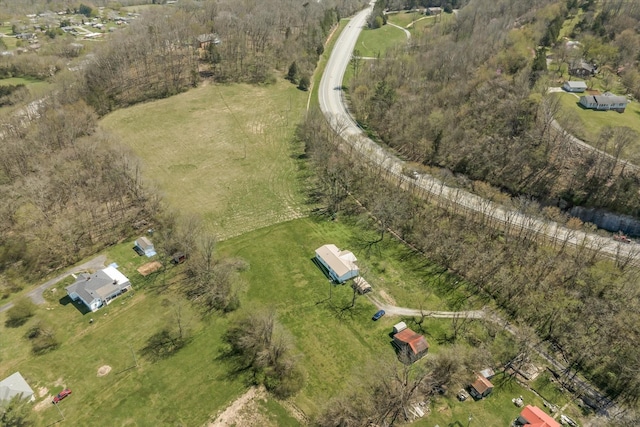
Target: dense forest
470,96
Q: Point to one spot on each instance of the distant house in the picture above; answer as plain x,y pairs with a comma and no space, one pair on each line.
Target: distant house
606,101
341,265
433,11
99,288
581,68
15,385
488,373
144,246
575,86
535,417
205,40
411,346
480,388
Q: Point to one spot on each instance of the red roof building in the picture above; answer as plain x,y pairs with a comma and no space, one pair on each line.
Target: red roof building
535,417
410,345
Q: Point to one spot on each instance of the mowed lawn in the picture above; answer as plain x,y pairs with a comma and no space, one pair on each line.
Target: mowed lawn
587,124
372,43
224,152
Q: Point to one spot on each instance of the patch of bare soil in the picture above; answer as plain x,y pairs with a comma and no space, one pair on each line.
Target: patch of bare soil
387,298
104,370
244,411
42,391
43,404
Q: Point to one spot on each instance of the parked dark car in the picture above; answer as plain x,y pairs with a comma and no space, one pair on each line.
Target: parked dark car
64,393
378,315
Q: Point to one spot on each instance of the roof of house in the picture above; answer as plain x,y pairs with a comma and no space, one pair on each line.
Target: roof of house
606,98
144,243
482,384
341,262
100,284
577,84
14,385
416,341
536,417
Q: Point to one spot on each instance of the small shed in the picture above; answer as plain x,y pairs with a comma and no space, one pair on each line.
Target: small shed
399,327
411,346
145,247
361,286
480,388
178,257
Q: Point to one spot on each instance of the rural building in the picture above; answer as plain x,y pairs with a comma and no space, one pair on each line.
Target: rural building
361,286
606,101
99,288
205,40
145,246
535,417
434,10
399,327
15,385
574,86
340,265
488,373
480,388
411,346
582,69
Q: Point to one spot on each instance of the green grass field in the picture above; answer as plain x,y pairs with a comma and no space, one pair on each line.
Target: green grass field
416,23
372,43
589,123
223,152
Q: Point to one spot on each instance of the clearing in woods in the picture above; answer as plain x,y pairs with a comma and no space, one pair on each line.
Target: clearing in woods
224,152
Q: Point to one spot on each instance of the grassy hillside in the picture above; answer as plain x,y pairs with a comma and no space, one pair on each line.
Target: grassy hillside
223,152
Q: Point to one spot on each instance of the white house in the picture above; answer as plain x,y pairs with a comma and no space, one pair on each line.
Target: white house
606,101
341,265
145,246
99,288
15,385
574,86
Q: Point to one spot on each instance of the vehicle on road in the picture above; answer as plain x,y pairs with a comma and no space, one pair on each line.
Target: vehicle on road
64,393
620,237
378,315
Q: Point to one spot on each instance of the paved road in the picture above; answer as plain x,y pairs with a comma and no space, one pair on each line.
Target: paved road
330,96
332,104
36,294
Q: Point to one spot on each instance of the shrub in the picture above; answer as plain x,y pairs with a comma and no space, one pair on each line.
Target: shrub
21,311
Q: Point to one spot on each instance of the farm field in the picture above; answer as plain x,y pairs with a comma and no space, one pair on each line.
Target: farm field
587,124
222,152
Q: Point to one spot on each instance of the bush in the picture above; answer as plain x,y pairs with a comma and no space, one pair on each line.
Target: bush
304,83
21,311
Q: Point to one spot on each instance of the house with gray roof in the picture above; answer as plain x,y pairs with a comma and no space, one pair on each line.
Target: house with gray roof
99,288
339,265
606,101
15,385
574,86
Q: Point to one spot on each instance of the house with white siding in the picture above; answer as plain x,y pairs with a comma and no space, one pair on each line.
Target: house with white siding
340,265
606,101
100,288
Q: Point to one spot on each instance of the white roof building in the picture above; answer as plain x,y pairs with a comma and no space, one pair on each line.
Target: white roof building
15,385
341,265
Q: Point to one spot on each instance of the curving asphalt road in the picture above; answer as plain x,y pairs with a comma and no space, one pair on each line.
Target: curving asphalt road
332,104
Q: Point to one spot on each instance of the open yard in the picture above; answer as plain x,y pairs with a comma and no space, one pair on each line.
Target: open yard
335,343
587,124
415,22
222,152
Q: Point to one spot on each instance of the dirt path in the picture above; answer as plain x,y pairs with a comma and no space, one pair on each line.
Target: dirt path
36,294
404,311
240,412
